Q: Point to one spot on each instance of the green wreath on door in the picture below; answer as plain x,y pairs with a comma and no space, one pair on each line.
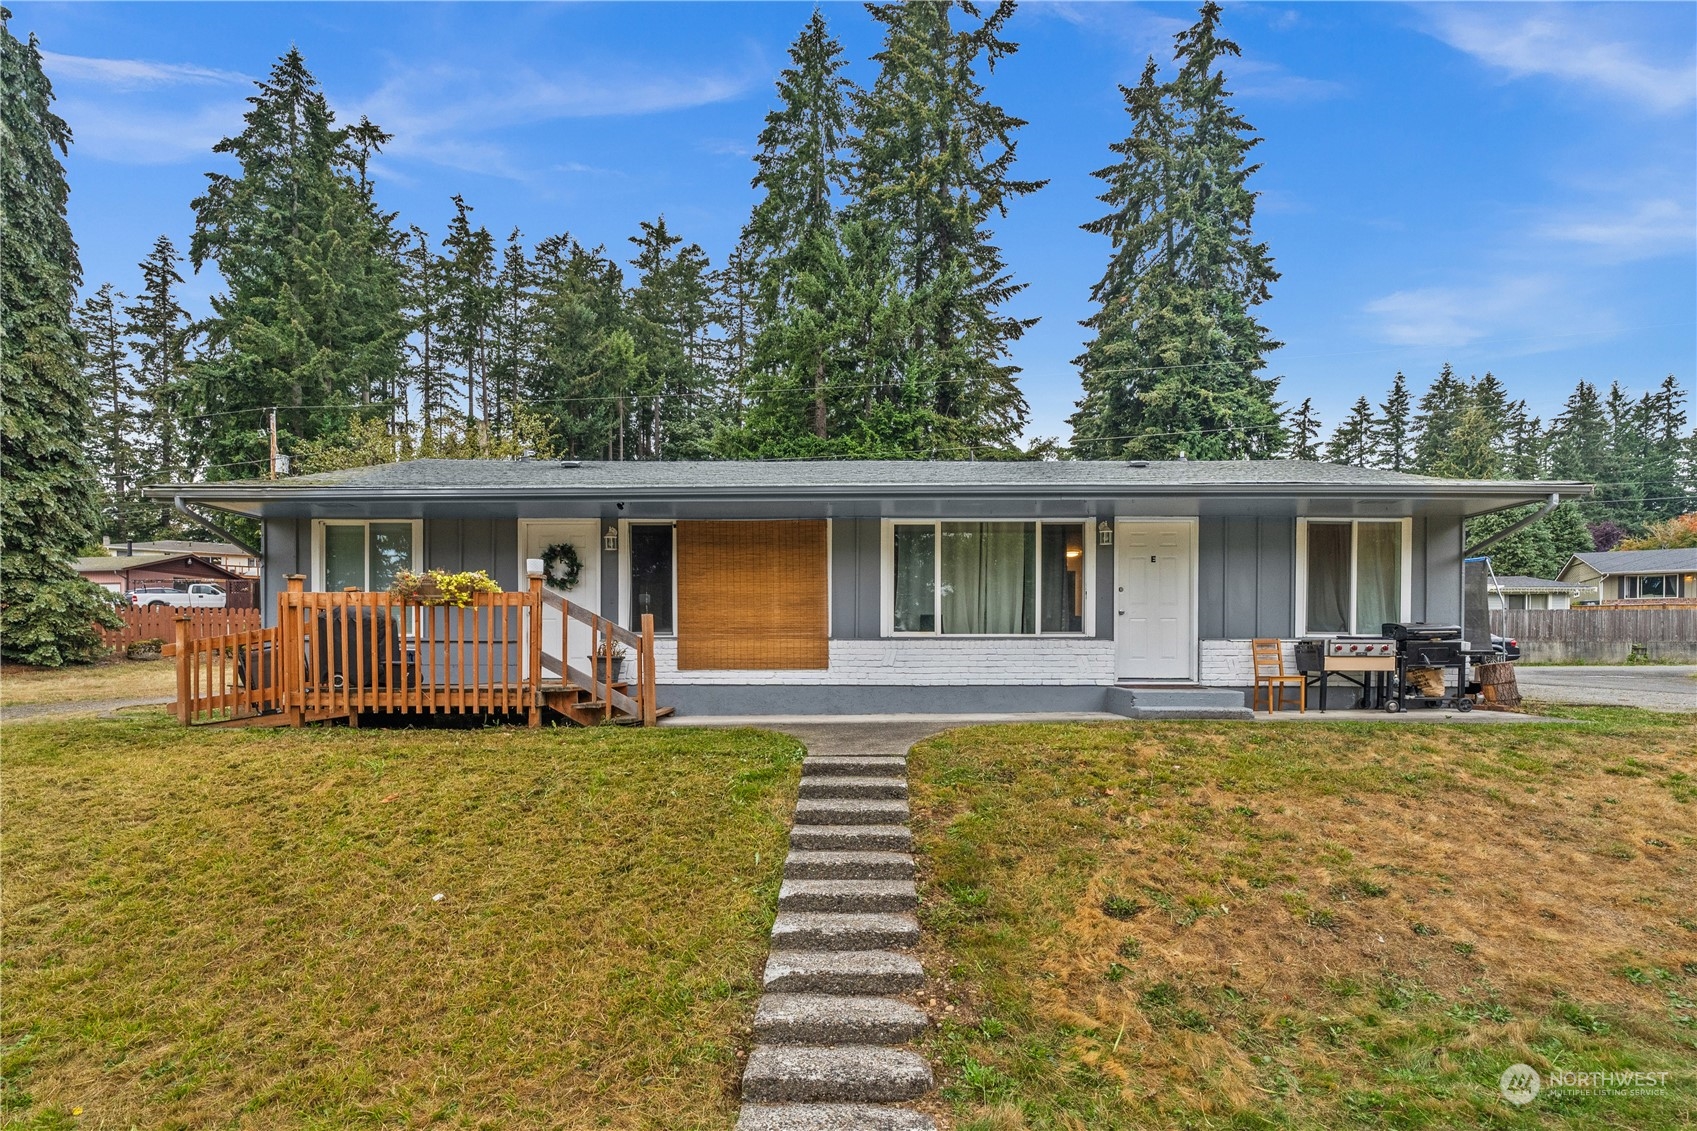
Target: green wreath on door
562,566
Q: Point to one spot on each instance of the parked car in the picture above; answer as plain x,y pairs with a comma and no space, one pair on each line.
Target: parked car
203,595
1505,647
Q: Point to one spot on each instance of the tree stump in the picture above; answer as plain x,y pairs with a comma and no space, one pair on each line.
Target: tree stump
1497,685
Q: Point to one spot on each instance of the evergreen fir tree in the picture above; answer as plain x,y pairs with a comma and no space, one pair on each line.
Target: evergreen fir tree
112,436
312,319
583,366
932,165
511,335
668,316
1392,438
468,284
158,328
1435,420
792,238
1352,441
48,496
424,372
1304,432
1176,361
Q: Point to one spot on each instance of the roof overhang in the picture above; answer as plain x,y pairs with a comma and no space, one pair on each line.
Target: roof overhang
283,499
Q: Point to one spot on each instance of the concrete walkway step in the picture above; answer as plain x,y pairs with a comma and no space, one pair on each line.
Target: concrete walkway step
851,838
844,766
847,895
847,811
835,1019
835,785
841,1073
842,972
802,864
813,930
831,1117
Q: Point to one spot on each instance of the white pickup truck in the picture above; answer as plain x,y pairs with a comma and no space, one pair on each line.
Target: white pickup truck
199,596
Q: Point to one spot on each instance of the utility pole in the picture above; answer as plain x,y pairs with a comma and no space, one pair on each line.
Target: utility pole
273,463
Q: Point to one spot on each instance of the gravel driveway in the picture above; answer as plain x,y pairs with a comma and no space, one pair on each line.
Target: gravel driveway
1655,687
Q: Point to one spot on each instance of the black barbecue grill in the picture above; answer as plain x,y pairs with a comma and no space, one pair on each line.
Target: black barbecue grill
1421,645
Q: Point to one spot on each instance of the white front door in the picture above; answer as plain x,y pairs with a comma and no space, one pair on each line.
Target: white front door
1154,608
584,535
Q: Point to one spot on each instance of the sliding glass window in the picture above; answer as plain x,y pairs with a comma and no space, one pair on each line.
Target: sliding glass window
1355,581
365,555
987,578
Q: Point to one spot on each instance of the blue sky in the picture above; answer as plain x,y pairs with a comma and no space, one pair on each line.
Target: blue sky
1506,187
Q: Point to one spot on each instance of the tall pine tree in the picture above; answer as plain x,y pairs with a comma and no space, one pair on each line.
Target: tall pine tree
1352,441
311,321
1175,364
159,328
112,434
1393,435
792,243
1303,428
932,166
48,495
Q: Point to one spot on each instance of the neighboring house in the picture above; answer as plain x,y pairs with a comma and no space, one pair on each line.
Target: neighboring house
1514,592
121,573
1635,575
227,554
868,586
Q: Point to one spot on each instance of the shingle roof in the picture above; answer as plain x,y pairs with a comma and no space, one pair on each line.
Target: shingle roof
1515,583
873,477
1641,561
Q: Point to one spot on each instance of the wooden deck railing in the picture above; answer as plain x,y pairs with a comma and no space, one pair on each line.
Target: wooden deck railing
341,655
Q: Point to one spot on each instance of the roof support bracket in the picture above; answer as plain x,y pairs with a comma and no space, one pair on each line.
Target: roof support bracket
1550,504
207,523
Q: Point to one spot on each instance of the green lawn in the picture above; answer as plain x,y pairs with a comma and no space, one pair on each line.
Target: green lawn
329,928
1311,925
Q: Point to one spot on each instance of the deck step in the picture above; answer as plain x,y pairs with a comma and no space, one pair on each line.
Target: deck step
823,930
847,895
836,1019
834,786
849,811
831,1117
842,972
851,838
802,864
843,765
841,1073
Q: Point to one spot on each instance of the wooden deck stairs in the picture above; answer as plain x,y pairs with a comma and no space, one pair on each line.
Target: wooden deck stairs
580,705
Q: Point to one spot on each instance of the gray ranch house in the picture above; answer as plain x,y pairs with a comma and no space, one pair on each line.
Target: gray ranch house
870,587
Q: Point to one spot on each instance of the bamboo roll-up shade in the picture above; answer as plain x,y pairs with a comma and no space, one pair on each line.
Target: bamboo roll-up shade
752,595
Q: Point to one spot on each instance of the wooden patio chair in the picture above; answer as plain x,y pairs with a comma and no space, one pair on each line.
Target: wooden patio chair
1269,660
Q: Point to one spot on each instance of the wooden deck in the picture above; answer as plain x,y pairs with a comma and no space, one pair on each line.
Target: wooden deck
354,655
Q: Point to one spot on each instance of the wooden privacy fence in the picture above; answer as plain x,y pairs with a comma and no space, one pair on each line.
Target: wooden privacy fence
1600,634
341,655
161,624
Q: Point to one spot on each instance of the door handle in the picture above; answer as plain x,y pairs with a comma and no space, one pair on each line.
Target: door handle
1122,612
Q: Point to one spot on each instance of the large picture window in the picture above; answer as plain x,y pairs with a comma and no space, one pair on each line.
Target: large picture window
1355,576
365,555
986,578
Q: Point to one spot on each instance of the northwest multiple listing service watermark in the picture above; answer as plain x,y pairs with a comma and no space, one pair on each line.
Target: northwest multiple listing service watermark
1520,1084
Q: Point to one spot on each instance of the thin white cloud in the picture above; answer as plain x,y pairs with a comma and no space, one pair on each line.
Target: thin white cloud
1572,44
1257,78
129,133
1538,311
1648,230
133,74
443,114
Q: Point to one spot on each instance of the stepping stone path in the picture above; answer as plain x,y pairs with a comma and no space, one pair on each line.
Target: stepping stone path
829,1031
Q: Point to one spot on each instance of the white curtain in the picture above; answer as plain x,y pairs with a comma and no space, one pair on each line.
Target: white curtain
989,577
1378,575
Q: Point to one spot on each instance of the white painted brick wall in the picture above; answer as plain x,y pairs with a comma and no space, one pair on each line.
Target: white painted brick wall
1226,663
1013,662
